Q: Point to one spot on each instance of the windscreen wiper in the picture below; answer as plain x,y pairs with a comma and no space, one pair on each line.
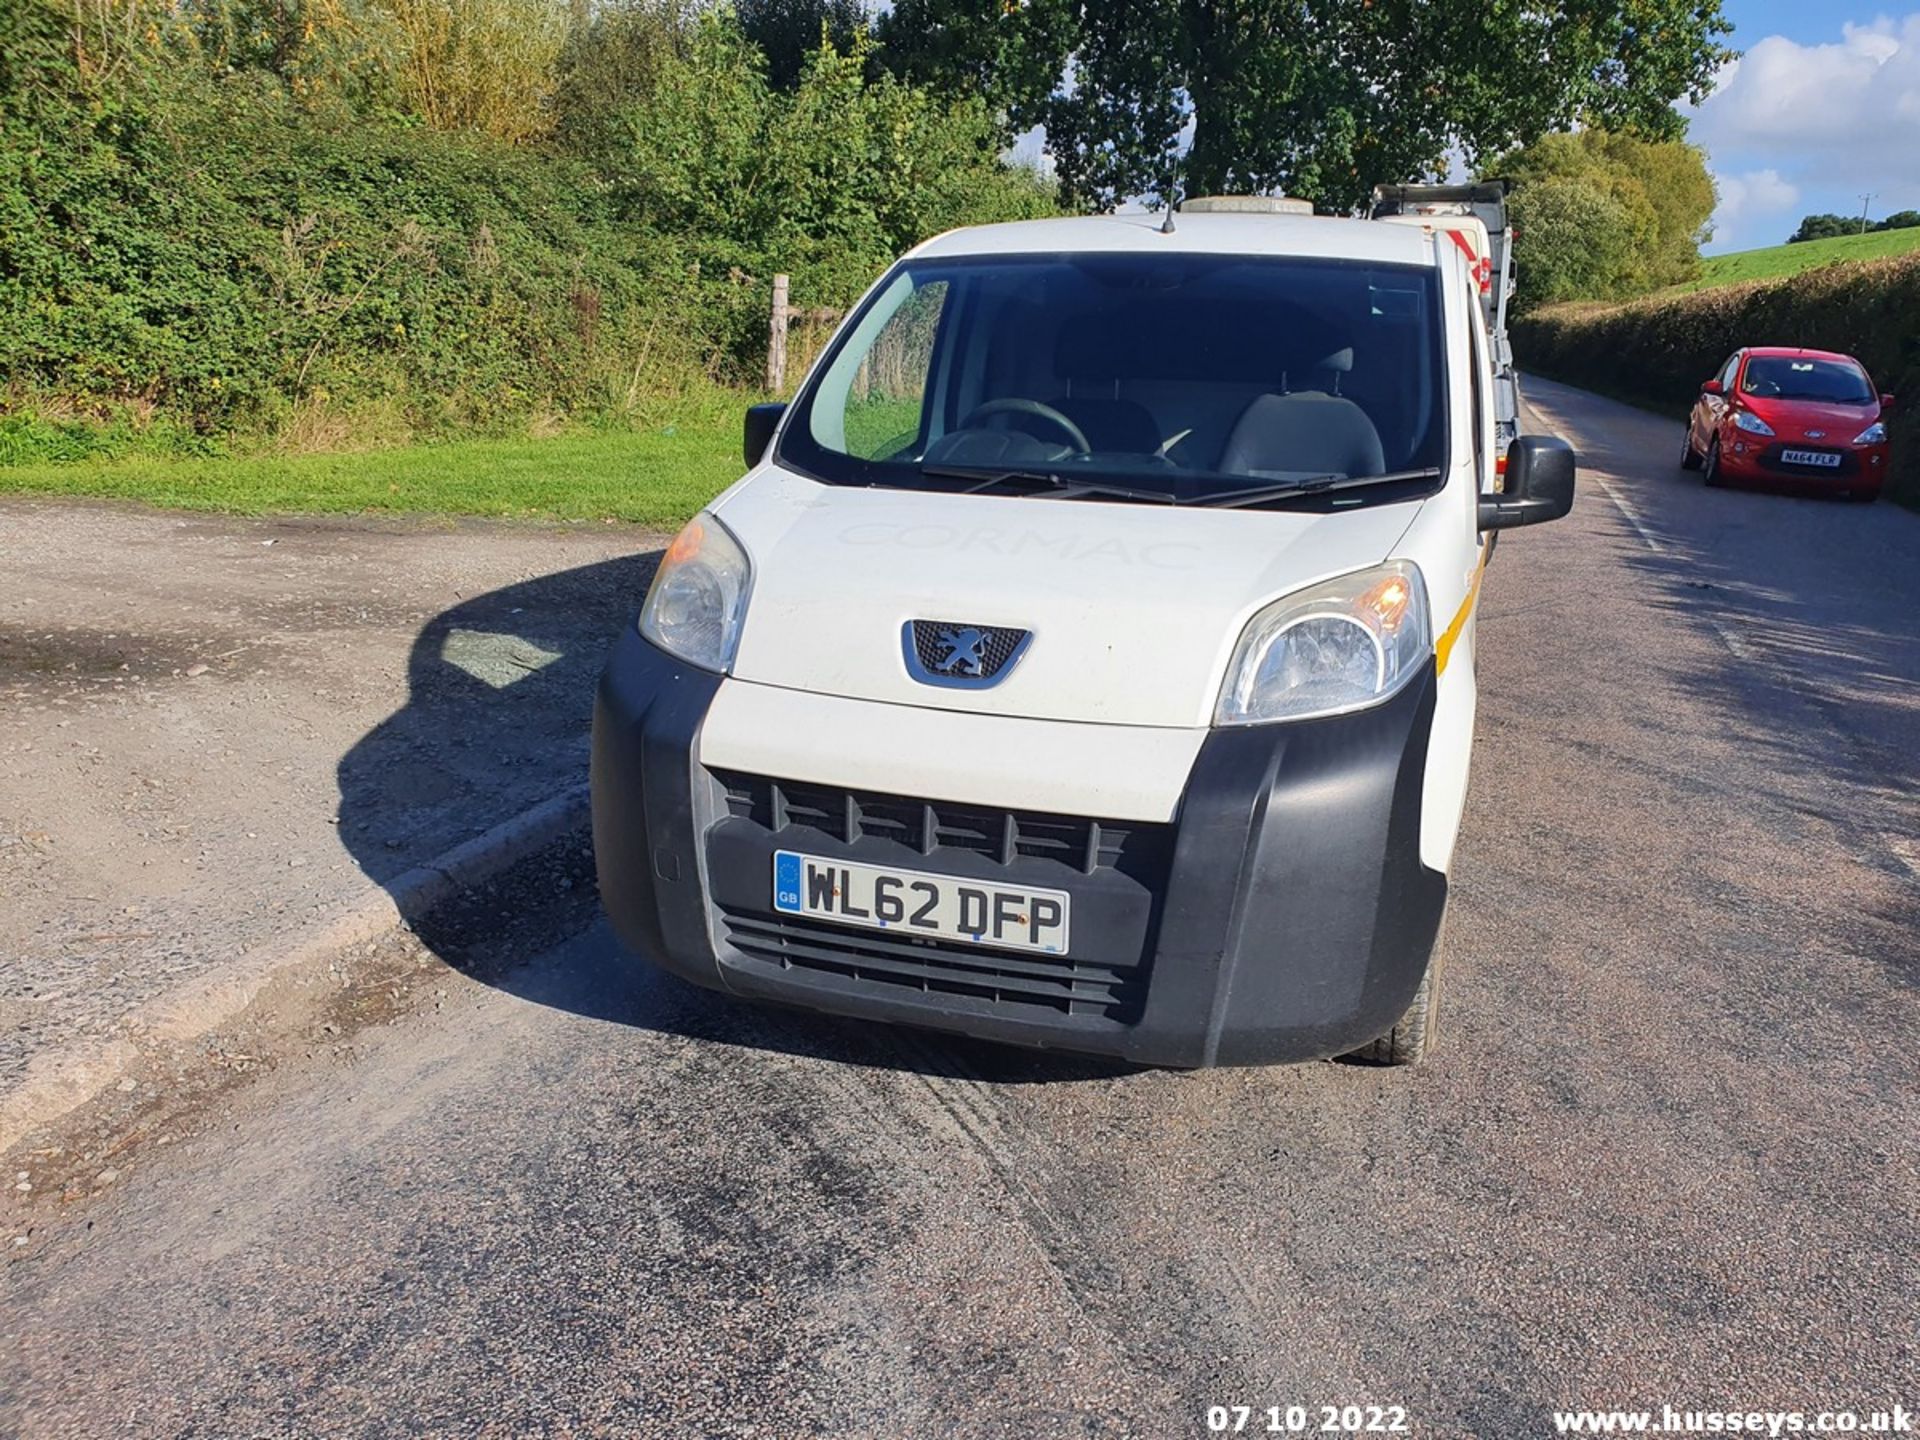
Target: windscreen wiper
1230,498
1057,486
1064,487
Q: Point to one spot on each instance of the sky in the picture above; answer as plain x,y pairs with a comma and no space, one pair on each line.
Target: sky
1821,110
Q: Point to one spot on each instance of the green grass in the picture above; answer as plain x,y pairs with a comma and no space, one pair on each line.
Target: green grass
882,426
658,477
1782,260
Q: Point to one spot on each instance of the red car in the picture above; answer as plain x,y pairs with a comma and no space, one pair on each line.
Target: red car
1790,416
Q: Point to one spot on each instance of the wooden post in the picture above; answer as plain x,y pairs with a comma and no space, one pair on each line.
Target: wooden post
777,338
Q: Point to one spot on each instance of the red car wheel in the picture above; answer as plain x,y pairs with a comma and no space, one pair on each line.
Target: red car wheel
1689,457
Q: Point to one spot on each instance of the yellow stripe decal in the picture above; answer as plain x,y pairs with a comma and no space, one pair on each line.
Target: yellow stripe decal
1444,646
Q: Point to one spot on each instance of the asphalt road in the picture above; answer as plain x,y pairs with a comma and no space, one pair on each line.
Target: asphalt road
1669,1150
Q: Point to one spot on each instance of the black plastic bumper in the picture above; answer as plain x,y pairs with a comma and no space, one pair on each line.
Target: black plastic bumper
1284,915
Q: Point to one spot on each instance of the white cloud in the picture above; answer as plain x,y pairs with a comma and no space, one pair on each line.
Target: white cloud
1749,196
1844,113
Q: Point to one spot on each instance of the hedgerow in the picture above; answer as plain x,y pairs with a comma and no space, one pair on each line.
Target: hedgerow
1658,351
196,253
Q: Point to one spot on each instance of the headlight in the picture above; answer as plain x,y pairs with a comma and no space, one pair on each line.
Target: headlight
1337,646
1874,434
1751,423
699,596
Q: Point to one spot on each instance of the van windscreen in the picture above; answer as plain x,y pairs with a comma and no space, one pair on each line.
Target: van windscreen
1158,376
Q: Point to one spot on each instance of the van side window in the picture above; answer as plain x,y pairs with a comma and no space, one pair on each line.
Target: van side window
883,407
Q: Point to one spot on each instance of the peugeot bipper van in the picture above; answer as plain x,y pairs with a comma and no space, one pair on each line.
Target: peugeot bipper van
1086,659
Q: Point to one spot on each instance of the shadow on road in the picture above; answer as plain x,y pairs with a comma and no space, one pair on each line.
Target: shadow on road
499,696
1824,686
1813,662
1820,641
499,705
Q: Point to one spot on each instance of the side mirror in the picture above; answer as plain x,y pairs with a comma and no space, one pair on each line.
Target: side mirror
1886,402
762,421
1539,484
1713,387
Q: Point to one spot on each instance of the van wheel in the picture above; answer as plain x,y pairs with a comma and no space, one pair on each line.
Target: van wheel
1712,467
1689,457
1413,1035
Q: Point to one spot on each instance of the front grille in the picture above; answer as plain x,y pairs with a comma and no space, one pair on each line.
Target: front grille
1115,870
940,967
927,827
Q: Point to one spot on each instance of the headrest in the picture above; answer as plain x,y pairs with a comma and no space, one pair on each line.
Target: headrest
1340,361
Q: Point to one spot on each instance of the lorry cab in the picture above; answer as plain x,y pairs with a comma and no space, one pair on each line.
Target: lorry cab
1086,659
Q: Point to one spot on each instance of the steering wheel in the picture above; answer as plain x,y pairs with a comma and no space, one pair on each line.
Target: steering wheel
1014,405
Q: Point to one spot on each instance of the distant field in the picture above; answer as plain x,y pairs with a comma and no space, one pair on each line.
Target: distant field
1779,260
653,477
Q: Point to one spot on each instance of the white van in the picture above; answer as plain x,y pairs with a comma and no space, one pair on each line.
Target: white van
1086,659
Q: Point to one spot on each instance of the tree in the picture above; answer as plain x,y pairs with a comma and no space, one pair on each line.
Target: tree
1824,227
1577,240
611,62
1900,220
1663,194
1322,98
789,31
828,182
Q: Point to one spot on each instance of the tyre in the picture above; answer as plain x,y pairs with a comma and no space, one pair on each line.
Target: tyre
1412,1037
1711,470
1689,457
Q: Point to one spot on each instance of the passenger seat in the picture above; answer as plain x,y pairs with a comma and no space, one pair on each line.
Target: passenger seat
1306,432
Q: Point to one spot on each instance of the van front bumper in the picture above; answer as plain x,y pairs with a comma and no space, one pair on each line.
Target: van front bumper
1283,914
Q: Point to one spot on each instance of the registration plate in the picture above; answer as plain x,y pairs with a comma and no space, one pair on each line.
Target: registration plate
912,902
1827,458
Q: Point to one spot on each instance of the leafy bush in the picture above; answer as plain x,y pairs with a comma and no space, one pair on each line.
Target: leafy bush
221,256
610,62
480,65
1659,351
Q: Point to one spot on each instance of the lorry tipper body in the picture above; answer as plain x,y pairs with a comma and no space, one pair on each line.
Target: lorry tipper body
1474,216
1086,659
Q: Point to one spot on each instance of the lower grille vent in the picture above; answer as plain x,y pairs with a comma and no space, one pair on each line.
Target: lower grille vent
940,967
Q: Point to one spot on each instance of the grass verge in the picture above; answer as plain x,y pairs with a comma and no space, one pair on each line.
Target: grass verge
1778,261
657,477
